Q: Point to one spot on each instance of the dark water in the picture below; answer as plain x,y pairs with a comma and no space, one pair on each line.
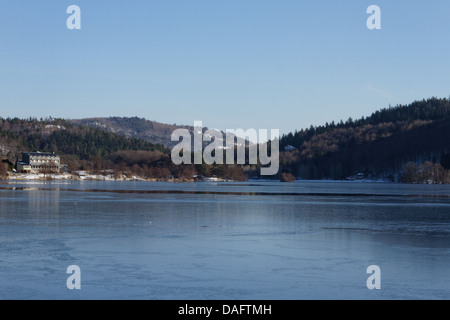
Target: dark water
256,240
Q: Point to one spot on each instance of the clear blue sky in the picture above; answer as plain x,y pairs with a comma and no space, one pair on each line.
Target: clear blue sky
283,64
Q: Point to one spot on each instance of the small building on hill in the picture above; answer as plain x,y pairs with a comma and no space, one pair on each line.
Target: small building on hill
39,162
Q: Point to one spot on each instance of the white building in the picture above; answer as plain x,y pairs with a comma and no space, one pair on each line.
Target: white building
36,162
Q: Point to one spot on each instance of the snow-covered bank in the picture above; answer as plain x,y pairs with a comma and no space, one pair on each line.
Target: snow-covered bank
86,176
67,176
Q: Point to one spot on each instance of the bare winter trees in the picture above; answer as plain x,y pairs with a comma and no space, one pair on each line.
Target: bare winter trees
428,172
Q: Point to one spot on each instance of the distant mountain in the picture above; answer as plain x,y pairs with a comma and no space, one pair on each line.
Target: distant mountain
151,131
139,128
373,147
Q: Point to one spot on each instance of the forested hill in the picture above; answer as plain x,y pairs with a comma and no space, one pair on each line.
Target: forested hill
377,146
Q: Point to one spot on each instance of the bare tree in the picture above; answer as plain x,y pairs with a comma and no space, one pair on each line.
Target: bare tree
427,172
410,173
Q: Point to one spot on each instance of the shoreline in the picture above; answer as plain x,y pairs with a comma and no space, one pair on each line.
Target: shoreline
20,177
76,177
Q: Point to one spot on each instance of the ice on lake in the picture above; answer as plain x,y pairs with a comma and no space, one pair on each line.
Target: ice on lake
249,241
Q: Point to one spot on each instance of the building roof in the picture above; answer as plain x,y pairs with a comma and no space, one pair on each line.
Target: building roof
40,154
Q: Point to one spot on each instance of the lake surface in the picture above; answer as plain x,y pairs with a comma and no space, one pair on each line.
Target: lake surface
232,241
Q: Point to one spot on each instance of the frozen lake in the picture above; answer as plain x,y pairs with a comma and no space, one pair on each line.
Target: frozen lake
245,241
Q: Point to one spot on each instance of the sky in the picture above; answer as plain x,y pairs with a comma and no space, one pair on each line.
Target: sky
262,64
